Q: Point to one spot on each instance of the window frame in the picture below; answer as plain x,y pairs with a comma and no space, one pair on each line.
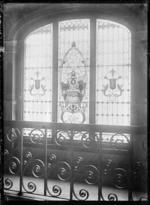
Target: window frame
92,88
50,19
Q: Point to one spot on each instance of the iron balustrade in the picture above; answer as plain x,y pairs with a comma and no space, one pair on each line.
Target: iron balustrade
71,153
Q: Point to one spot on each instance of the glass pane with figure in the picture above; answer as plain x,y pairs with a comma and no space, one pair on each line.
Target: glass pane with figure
73,75
37,99
113,73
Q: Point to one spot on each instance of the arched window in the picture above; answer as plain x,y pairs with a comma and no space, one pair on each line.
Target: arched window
107,92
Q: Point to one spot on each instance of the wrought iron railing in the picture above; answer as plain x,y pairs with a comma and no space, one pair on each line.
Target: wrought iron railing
68,161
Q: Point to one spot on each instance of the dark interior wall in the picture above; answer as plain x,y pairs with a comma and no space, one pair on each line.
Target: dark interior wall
21,19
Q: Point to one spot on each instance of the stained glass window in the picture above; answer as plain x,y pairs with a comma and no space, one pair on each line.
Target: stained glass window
37,102
113,67
73,71
112,77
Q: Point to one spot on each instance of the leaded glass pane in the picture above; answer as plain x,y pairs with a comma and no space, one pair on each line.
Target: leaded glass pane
37,102
113,65
73,71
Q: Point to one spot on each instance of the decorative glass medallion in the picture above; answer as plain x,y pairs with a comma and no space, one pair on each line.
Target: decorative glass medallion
112,87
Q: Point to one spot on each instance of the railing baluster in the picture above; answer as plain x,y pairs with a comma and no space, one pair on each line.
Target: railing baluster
100,167
45,171
21,161
71,162
130,198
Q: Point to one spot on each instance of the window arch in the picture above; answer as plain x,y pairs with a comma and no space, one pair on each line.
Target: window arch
111,75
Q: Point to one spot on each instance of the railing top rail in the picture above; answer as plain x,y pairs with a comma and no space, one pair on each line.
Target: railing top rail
76,127
102,128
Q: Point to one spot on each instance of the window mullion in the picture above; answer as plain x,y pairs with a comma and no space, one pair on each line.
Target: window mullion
20,80
92,70
55,72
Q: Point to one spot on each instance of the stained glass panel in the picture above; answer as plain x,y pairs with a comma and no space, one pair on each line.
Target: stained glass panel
37,102
113,67
73,71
